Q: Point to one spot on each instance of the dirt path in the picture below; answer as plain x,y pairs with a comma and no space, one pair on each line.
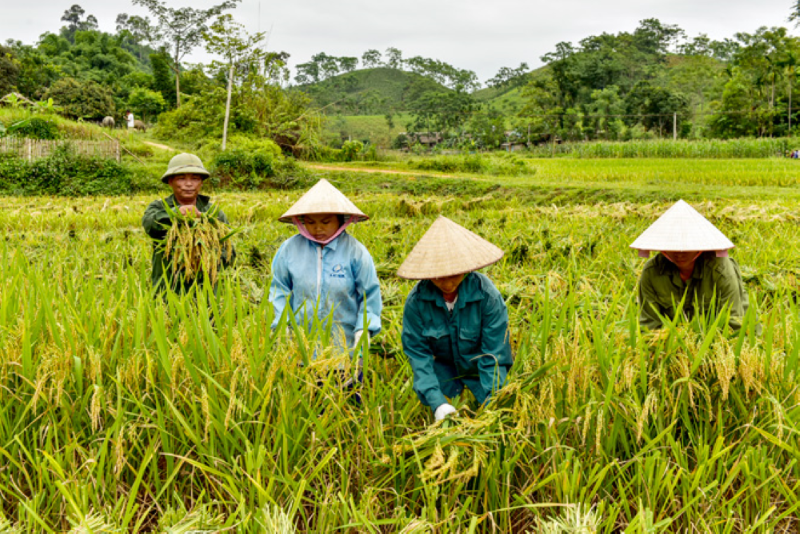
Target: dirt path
381,171
162,147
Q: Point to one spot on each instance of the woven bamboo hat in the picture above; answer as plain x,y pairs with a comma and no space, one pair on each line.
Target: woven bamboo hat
681,229
323,198
184,164
448,249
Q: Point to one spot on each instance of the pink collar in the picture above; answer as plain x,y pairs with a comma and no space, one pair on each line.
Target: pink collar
304,231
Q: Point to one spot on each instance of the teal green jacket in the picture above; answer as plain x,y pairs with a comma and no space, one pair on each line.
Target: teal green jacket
472,340
156,223
661,290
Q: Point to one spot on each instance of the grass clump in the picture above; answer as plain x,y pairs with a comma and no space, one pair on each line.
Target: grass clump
764,147
64,173
494,164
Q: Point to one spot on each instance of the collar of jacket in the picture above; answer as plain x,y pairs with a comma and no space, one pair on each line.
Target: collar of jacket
202,201
330,246
468,291
667,267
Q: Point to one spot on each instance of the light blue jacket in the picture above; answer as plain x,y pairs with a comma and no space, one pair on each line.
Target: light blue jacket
340,276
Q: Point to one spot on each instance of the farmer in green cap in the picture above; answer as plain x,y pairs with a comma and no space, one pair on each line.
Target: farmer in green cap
185,175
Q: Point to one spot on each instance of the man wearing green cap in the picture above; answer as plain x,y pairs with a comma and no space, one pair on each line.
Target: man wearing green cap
185,175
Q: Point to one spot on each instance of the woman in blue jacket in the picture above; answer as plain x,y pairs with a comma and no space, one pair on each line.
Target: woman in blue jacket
455,322
323,273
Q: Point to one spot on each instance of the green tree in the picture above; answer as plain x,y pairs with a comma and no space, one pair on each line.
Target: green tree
162,76
239,49
542,111
347,64
307,73
9,70
738,96
328,65
75,21
146,103
394,58
507,77
181,30
657,107
136,33
82,100
605,112
444,112
36,71
487,128
371,59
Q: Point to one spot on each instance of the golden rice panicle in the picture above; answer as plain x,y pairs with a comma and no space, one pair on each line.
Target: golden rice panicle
725,366
751,368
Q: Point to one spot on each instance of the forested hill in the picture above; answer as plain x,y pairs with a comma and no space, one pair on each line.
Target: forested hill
374,91
651,81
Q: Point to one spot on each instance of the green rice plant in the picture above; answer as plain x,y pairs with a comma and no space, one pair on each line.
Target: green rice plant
764,147
140,414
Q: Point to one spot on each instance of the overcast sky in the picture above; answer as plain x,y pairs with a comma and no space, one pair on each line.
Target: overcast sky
480,35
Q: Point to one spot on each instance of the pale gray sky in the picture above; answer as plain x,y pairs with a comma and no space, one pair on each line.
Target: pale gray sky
479,35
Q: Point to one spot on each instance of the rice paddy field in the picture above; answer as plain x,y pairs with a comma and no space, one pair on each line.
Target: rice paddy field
120,412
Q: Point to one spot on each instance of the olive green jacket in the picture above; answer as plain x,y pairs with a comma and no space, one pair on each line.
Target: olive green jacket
156,223
661,289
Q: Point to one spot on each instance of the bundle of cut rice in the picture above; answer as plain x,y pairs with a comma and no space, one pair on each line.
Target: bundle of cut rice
197,243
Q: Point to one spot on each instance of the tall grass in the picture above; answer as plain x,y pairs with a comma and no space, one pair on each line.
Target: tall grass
666,148
120,412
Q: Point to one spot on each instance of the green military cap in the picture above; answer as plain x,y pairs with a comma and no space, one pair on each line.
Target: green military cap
185,164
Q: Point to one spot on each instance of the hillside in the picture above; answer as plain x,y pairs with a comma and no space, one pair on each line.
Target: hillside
375,91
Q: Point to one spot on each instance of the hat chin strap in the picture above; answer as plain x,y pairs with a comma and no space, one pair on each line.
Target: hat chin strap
304,231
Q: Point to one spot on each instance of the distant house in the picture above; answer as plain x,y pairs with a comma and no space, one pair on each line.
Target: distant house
514,147
12,99
429,139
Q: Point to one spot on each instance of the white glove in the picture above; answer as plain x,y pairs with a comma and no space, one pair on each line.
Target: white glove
357,337
443,411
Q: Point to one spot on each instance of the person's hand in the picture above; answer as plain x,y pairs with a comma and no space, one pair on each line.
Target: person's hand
357,338
189,210
443,411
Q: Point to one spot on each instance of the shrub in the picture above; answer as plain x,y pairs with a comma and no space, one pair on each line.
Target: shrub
262,165
496,164
64,173
241,168
351,149
473,163
199,117
35,128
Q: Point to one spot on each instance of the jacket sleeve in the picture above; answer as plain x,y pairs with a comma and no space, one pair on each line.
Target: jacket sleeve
648,302
496,359
419,355
730,291
156,220
226,261
280,287
368,292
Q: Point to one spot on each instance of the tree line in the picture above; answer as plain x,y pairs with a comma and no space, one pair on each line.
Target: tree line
654,81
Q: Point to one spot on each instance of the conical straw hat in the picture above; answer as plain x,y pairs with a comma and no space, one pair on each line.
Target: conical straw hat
448,249
681,228
323,198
